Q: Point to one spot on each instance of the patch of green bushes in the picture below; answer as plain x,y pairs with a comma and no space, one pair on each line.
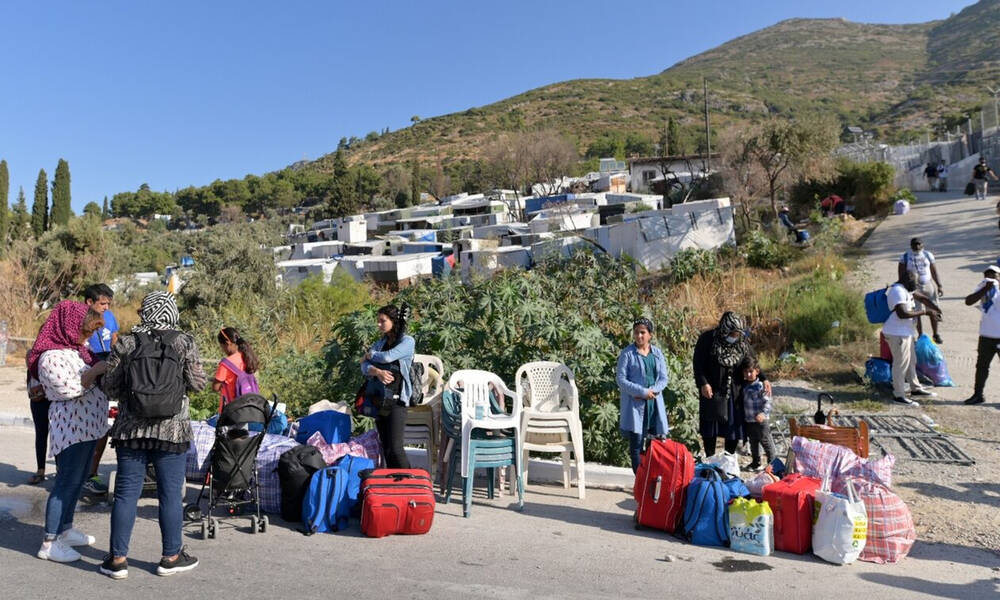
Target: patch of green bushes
762,252
690,262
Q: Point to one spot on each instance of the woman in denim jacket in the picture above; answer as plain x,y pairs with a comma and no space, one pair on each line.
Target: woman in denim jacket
641,376
394,347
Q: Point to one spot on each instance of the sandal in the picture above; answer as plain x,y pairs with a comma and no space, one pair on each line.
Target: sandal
36,479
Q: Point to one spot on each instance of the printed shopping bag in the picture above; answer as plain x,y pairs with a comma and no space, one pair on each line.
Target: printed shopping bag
840,527
751,527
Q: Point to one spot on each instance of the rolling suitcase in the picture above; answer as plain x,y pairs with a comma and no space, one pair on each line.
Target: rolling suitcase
396,501
665,470
792,501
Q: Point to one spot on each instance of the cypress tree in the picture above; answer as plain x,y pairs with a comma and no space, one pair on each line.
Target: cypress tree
40,208
415,183
105,212
4,206
20,220
60,195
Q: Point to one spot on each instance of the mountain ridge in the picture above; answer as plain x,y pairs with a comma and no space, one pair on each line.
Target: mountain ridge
898,80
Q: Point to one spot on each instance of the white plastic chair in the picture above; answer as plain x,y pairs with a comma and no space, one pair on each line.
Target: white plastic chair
550,419
475,390
423,420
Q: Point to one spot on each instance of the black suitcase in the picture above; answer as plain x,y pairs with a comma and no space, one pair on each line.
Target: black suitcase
295,469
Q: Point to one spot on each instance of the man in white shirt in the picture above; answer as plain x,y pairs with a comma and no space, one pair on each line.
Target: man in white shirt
901,335
989,328
943,177
921,263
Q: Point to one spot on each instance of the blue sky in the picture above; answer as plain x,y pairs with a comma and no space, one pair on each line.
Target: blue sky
181,93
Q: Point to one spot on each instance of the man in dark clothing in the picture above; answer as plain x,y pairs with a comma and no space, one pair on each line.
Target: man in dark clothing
979,174
931,174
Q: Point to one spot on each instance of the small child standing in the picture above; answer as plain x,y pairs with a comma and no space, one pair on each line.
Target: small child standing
234,377
757,408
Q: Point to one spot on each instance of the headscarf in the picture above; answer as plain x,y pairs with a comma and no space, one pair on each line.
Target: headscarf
61,331
729,354
644,322
158,311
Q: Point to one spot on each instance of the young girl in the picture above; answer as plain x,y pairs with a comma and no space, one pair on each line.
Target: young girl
239,359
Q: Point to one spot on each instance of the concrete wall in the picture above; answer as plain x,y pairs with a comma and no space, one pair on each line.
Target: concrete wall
654,240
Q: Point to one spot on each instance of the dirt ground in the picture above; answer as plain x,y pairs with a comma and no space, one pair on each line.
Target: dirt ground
951,504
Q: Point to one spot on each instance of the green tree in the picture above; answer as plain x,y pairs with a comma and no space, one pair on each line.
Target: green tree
4,206
61,195
92,209
414,182
785,149
40,208
105,210
20,220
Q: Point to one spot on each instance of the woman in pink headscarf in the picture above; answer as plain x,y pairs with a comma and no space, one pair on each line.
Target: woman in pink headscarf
77,416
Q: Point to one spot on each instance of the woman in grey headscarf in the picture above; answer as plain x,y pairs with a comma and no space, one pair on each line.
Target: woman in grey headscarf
144,433
717,356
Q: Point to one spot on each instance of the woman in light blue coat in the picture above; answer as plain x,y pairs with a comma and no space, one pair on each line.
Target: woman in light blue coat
388,365
641,376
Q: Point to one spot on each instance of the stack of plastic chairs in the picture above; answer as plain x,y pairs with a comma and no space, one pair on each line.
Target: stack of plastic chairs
487,448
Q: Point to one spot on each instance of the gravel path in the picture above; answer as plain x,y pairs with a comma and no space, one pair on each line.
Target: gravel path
951,504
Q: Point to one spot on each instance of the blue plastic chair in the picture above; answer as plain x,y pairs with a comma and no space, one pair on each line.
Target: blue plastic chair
485,452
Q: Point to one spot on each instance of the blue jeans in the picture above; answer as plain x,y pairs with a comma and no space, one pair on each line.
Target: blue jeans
72,469
635,439
128,487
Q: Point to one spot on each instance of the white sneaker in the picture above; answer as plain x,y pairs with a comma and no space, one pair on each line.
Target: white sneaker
57,551
75,537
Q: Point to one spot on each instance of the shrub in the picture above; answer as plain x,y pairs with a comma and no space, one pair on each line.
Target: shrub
869,184
762,252
822,310
690,262
903,194
577,311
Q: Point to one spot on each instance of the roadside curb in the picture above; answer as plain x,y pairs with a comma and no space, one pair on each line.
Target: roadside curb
11,420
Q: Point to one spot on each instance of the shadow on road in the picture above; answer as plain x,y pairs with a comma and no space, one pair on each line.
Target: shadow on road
983,588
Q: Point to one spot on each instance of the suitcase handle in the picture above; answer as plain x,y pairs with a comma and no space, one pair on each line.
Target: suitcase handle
656,488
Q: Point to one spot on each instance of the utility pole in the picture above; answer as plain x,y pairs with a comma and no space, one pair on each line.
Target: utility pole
968,120
996,116
708,131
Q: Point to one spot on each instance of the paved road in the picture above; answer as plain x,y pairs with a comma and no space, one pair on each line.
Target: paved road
963,236
559,547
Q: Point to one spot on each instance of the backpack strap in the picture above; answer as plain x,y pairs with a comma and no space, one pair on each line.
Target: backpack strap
721,525
232,367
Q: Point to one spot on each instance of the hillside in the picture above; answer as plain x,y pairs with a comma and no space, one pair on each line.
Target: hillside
897,79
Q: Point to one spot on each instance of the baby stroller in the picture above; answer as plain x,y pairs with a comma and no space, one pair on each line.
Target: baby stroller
232,472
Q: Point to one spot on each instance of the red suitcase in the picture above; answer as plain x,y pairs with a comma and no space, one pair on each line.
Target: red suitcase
791,500
396,501
665,470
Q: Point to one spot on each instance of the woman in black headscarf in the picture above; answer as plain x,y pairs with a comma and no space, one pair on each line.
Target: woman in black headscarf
717,356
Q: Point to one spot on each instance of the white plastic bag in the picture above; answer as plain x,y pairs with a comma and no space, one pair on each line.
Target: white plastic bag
729,463
758,482
840,529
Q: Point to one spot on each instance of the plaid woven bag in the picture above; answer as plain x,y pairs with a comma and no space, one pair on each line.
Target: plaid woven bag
891,533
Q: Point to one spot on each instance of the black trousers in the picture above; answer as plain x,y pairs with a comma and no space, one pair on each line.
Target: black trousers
760,433
40,415
987,349
709,444
391,432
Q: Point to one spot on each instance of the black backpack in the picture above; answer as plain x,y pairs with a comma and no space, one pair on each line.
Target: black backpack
155,376
416,383
295,469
